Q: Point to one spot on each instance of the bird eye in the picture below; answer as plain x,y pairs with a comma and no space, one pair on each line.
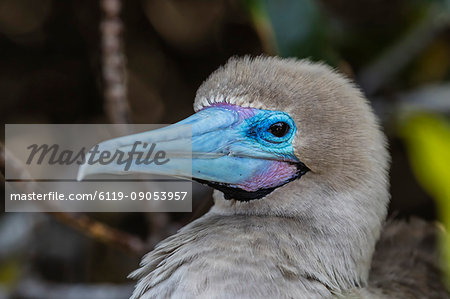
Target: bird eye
279,129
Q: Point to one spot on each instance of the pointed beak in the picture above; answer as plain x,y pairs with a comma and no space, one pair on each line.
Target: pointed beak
210,145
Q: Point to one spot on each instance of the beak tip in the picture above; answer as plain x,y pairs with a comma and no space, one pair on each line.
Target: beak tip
81,173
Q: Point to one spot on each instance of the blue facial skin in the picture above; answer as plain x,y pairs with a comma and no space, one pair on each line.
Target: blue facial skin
253,158
234,149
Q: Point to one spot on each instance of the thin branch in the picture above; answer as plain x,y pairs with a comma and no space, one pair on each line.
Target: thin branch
102,232
114,63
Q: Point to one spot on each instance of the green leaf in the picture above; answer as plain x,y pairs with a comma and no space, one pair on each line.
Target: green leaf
427,138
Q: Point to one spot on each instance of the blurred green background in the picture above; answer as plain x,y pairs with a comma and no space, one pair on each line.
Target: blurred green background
398,51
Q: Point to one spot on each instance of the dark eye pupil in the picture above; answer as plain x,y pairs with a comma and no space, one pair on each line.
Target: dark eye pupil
279,129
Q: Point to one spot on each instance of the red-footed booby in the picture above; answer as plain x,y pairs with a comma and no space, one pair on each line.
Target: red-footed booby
300,168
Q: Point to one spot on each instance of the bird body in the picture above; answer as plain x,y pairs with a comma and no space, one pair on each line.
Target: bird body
254,257
300,170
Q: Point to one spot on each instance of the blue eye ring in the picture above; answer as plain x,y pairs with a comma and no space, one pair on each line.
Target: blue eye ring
276,129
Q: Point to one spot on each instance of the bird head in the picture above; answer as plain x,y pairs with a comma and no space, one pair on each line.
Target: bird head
275,136
292,141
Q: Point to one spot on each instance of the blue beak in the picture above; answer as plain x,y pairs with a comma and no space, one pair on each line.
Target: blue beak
218,146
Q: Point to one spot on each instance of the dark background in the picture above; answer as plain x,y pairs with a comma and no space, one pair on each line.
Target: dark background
51,72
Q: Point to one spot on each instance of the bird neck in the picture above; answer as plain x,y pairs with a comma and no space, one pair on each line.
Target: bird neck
332,236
